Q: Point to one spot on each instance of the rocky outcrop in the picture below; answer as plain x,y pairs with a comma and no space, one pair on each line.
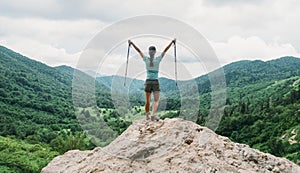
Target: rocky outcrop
170,146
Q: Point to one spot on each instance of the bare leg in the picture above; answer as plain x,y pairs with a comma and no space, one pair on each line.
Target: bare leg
155,105
147,105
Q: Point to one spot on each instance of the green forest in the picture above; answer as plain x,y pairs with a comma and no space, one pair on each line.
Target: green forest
39,121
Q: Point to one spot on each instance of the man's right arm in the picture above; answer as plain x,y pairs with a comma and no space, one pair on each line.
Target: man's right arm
136,48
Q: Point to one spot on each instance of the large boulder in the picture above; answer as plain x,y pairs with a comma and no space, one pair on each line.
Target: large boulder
170,145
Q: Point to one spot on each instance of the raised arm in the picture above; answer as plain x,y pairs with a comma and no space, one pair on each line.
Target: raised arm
168,47
136,48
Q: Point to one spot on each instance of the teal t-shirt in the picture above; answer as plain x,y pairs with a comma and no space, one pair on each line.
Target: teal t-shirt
152,72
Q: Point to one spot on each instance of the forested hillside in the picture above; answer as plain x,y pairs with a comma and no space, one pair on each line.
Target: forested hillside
36,110
265,116
262,107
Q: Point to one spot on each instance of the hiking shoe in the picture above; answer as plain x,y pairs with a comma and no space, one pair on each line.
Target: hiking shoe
154,118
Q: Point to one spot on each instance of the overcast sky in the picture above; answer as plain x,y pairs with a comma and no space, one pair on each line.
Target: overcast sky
56,31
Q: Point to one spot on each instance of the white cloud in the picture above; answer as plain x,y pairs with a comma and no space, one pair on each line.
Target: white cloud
71,35
266,19
251,48
54,42
43,52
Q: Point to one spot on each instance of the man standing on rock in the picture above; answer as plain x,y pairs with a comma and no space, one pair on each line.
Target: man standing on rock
152,83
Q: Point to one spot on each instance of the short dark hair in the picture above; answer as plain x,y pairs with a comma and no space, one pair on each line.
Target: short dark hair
152,48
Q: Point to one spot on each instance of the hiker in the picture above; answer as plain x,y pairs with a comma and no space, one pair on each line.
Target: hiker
151,83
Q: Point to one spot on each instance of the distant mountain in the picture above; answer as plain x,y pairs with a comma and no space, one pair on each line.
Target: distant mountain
92,73
250,72
66,69
168,85
137,85
118,81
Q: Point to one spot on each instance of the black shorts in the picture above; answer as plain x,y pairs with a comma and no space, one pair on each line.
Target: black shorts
151,85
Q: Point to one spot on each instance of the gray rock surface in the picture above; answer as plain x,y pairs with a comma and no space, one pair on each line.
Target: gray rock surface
170,146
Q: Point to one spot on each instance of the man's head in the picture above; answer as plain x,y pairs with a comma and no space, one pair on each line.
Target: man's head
152,50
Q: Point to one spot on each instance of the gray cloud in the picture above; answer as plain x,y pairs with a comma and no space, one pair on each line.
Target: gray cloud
104,10
28,8
231,2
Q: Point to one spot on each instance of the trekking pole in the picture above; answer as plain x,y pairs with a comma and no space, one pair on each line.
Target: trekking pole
175,63
127,64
